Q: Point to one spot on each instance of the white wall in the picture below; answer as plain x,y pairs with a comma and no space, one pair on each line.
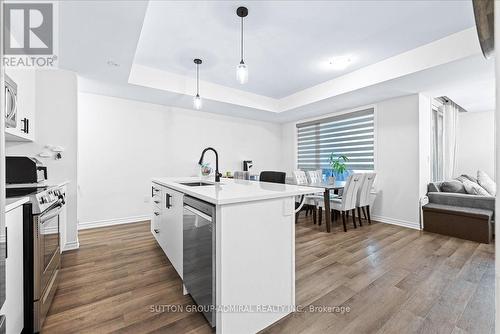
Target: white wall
56,124
476,143
124,143
397,158
397,161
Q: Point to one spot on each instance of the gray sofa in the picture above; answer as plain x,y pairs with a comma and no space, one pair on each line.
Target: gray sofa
436,196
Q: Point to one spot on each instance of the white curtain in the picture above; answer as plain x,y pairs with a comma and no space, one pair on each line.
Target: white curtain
450,128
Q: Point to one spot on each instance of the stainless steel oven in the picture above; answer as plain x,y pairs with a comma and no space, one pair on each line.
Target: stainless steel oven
46,260
10,93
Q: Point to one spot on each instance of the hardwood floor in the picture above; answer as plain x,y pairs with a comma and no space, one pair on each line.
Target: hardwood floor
392,279
110,283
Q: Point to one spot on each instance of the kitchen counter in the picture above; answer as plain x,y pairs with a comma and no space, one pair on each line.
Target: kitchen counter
230,191
253,236
12,203
48,184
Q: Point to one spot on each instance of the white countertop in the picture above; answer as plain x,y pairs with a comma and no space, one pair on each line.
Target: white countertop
230,191
12,203
48,184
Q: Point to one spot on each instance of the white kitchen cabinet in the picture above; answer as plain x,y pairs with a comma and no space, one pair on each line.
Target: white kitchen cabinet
166,222
171,225
25,129
13,307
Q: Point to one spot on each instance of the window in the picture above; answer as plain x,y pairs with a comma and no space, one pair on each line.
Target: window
349,134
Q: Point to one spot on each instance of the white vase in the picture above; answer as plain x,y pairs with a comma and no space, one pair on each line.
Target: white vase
331,179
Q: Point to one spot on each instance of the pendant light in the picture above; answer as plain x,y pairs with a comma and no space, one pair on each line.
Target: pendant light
197,99
242,69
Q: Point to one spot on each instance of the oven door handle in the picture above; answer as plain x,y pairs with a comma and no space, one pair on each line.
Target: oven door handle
51,214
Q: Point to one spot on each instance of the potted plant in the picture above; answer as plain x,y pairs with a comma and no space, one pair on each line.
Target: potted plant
338,166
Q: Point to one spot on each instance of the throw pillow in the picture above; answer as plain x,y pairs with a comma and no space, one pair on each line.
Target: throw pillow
486,182
464,177
452,186
473,188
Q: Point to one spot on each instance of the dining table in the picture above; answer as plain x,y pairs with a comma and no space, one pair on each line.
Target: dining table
327,188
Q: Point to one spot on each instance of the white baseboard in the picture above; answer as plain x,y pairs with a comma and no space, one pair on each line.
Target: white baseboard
71,245
111,222
399,222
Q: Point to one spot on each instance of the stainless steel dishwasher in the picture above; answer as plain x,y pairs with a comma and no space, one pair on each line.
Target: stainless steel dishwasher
199,254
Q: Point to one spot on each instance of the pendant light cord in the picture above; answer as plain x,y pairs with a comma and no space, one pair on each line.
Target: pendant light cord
241,40
197,79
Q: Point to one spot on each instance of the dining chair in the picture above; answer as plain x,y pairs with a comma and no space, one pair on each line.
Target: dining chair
300,177
311,200
315,176
272,176
348,200
363,199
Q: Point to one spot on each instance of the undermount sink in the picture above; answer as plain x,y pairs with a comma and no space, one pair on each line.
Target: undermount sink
196,184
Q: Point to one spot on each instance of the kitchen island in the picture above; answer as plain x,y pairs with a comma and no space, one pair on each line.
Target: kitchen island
254,245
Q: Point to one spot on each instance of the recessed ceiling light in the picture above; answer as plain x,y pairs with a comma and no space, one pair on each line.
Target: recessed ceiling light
339,63
112,63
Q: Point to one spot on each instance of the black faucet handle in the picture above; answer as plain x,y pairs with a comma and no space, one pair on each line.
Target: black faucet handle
217,176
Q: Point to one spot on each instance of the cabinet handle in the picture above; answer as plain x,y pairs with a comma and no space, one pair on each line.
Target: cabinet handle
6,243
26,125
156,231
157,214
167,202
157,202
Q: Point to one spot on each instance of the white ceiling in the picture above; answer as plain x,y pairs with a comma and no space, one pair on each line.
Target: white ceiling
93,32
288,43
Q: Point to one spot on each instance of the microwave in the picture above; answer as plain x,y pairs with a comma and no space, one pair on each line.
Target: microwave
19,169
10,90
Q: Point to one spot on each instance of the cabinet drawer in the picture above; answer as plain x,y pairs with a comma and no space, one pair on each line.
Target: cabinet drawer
156,195
155,224
156,200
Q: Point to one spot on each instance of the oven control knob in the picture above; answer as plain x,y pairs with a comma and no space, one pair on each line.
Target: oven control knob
61,197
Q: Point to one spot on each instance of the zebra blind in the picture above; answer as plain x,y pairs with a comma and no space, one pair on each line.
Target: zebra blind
349,134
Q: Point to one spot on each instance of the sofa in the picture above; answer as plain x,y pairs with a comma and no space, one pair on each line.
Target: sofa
459,214
437,196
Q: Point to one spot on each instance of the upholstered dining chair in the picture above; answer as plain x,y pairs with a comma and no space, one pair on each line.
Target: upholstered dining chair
349,197
363,199
300,177
272,176
315,176
311,201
